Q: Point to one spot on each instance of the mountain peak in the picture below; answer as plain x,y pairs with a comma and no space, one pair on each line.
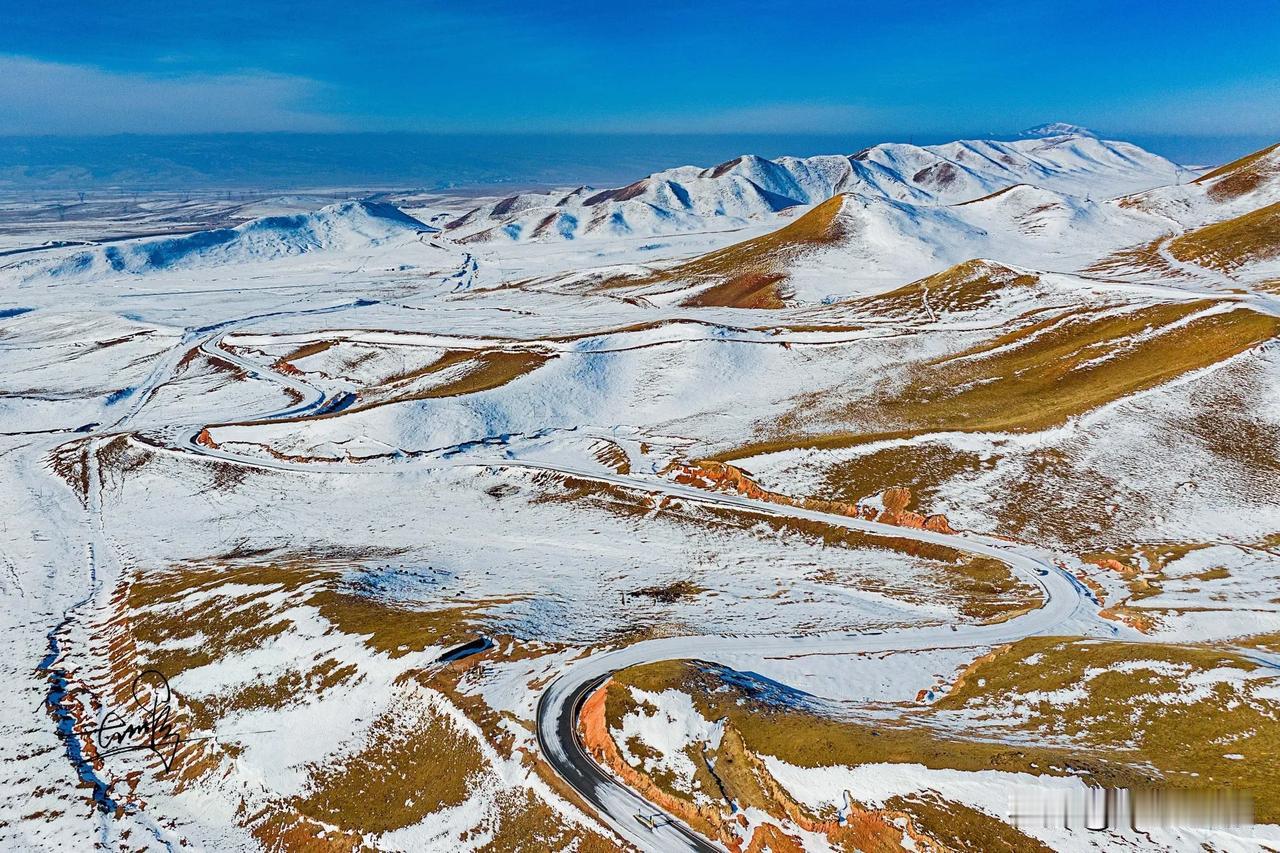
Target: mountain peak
1056,128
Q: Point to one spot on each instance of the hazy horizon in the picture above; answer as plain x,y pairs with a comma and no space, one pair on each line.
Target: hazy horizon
295,160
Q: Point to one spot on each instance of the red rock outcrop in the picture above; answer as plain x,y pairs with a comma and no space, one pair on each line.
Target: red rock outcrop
722,477
862,829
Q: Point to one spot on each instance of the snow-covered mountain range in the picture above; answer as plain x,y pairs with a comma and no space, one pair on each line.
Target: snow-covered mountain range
365,490
750,188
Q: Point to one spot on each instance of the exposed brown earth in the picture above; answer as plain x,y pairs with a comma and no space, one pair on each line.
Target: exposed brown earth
1228,245
741,776
751,274
721,476
1242,176
1039,374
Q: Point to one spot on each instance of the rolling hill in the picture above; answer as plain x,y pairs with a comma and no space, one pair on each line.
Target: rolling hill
749,188
348,226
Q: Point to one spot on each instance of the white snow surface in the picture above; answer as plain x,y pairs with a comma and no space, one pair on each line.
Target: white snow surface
468,499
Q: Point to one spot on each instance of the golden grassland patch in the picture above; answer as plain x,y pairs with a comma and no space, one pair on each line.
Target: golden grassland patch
393,629
1038,376
921,467
1240,176
1140,703
668,593
413,762
961,828
746,290
749,274
968,286
483,370
528,825
479,370
304,351
1267,642
176,637
1230,244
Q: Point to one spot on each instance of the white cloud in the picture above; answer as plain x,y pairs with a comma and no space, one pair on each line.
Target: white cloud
38,97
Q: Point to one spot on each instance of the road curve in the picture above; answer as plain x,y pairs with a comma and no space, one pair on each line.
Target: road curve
557,716
558,707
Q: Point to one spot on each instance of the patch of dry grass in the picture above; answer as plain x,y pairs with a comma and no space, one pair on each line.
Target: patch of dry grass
175,637
1228,245
414,762
922,468
1241,176
750,274
668,593
393,629
1148,715
528,825
962,828
968,286
1039,375
748,290
481,370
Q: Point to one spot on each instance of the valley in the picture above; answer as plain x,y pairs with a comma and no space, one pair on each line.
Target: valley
823,503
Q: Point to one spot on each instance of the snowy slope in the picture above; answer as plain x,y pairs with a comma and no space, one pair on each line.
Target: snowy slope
1056,128
750,187
1237,188
349,226
879,243
291,465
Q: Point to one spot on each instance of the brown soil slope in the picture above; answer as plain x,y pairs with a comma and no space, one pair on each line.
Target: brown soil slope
750,274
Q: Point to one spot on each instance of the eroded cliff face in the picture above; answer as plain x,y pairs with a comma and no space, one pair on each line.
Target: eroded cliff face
743,782
723,477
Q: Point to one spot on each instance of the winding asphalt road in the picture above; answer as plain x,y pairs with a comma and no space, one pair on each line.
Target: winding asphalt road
557,721
558,708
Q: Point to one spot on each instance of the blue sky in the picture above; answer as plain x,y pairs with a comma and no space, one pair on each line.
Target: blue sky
657,66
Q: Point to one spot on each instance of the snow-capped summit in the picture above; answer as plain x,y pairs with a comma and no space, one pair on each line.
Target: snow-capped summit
1056,128
752,189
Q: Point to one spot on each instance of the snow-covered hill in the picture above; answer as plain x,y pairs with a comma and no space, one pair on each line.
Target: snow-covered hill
872,244
362,495
1241,186
348,226
1056,128
751,188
